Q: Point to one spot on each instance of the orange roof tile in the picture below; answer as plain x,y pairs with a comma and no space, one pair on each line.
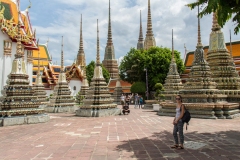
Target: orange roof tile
189,59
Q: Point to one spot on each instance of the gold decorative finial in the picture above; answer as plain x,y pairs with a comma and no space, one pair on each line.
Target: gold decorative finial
199,44
98,50
62,57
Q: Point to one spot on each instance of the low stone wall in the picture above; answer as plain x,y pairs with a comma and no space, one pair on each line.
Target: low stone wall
18,120
98,112
149,104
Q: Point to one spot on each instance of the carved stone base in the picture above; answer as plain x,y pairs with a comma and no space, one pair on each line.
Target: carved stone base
231,110
18,120
59,109
98,113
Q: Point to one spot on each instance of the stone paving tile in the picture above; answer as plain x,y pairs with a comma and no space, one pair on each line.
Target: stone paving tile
141,135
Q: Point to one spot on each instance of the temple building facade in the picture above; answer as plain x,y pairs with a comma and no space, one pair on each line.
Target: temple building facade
50,71
9,17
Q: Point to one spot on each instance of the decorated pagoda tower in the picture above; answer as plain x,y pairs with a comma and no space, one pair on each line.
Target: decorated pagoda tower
81,61
61,101
109,62
140,44
223,68
173,82
149,39
98,101
39,87
19,105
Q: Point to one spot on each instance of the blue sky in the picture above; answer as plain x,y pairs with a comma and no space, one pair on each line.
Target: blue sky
55,18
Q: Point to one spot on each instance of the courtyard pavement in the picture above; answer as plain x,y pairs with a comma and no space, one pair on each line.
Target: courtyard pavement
141,135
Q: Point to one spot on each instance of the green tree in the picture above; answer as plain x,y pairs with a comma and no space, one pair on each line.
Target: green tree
138,87
156,60
90,71
159,88
225,9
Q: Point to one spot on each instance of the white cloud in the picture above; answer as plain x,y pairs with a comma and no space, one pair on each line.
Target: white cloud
60,17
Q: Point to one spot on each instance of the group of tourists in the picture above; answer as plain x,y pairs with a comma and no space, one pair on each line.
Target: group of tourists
126,99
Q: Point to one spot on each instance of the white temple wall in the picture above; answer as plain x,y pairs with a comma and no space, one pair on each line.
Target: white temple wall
5,62
75,86
7,69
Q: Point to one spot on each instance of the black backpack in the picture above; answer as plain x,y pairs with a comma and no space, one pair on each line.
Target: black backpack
186,116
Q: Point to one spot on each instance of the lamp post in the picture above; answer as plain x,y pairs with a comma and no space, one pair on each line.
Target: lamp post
145,69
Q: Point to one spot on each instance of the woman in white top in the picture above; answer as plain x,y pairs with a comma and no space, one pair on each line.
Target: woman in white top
178,124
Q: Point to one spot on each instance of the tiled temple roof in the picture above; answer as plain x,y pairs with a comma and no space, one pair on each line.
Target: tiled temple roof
10,20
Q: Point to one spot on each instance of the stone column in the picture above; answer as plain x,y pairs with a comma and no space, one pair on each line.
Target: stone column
30,65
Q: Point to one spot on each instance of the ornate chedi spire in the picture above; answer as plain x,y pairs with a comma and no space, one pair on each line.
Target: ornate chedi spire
81,55
140,44
39,87
109,62
61,100
19,102
82,62
220,61
98,101
223,68
149,39
173,82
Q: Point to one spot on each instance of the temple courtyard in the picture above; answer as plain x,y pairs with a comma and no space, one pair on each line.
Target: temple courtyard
140,135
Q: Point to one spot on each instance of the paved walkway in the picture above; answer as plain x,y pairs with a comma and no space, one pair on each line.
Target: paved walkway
140,135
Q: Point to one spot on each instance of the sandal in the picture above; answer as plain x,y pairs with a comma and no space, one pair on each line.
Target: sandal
175,146
180,147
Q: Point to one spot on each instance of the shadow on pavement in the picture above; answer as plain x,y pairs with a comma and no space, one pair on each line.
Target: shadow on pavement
219,145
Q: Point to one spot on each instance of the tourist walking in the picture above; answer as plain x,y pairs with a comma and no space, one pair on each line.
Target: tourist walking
136,100
178,124
140,101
